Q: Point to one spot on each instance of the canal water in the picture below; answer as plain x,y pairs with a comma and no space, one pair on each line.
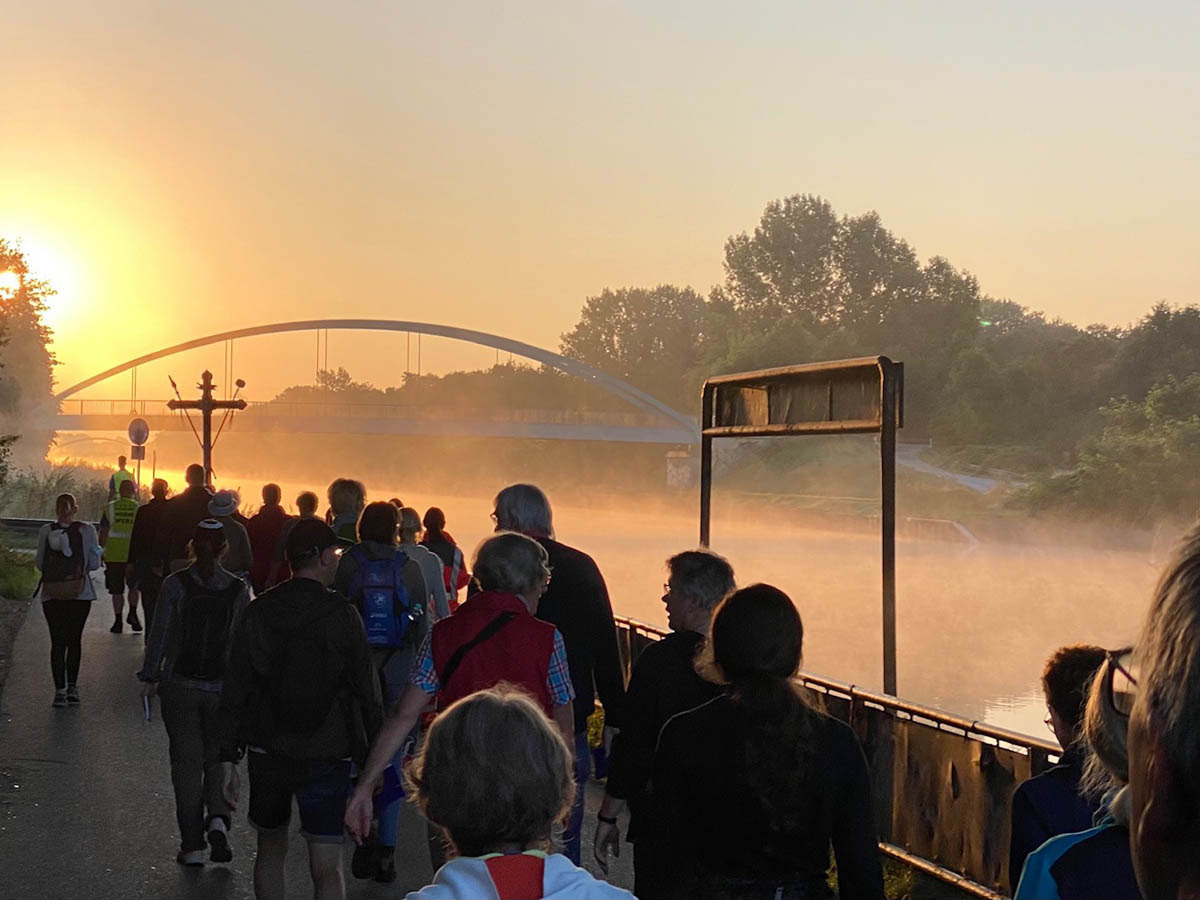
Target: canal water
975,622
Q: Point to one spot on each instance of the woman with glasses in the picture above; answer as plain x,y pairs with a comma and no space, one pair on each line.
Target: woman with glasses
1052,803
1095,862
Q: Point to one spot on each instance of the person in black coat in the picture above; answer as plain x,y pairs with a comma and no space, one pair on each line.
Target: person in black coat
751,789
1052,803
664,683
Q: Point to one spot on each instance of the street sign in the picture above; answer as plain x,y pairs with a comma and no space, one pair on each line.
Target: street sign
139,433
138,452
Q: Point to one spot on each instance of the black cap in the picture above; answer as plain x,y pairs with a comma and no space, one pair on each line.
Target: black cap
309,538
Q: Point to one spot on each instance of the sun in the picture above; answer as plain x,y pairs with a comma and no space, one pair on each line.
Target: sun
10,282
48,261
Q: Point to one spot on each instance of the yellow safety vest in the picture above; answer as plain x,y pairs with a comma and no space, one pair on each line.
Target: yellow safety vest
121,513
118,478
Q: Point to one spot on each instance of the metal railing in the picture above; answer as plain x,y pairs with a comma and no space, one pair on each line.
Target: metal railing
942,783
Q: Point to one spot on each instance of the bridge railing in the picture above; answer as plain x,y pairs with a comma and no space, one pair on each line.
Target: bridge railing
942,784
320,410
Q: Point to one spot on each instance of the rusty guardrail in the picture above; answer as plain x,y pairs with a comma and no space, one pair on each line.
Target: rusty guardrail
943,784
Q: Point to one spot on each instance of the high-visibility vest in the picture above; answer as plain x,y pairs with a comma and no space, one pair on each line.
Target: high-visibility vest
120,528
118,477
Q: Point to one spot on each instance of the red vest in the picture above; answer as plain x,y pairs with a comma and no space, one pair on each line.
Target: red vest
519,653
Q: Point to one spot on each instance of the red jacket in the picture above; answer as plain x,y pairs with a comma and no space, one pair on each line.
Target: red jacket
519,653
264,529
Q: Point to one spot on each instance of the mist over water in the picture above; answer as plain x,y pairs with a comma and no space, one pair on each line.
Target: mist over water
975,623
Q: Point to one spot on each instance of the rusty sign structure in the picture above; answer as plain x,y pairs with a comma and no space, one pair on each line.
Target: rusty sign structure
849,396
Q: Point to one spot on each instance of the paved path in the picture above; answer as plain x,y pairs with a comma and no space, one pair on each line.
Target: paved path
86,808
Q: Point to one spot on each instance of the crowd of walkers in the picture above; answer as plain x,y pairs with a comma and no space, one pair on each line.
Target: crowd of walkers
338,658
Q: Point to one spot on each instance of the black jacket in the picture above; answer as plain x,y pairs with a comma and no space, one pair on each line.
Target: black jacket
577,603
180,516
1047,805
146,526
356,713
664,682
717,835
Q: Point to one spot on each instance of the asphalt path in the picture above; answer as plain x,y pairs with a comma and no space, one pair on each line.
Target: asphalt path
86,807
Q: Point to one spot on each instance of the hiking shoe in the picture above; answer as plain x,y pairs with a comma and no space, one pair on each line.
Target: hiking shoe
190,857
134,622
363,863
72,695
116,626
60,698
219,849
385,865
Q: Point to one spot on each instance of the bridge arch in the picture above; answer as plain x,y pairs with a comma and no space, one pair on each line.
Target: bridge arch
627,392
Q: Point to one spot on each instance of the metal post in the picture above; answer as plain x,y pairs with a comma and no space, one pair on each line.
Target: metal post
887,467
206,390
706,408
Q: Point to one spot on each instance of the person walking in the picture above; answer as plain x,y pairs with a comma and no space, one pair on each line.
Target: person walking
67,551
239,558
302,696
264,529
184,664
145,566
179,519
116,531
455,576
431,565
388,589
118,478
752,788
347,498
576,603
306,507
664,682
492,638
495,776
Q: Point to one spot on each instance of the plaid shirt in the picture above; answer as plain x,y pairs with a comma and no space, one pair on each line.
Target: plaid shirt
558,681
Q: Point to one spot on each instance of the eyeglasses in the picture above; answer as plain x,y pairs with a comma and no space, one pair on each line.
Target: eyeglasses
1121,681
666,587
1049,723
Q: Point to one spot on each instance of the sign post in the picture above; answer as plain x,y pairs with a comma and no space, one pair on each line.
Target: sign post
139,433
206,404
849,396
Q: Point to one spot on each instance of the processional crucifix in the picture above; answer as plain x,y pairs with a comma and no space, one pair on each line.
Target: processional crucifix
206,404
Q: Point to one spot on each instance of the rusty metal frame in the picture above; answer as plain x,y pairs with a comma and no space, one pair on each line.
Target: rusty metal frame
891,417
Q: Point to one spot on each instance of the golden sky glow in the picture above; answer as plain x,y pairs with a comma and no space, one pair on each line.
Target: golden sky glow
184,168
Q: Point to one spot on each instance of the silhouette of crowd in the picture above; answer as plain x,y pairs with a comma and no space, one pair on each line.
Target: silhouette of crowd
347,663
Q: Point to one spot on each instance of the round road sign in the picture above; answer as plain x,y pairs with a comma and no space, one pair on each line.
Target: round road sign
139,432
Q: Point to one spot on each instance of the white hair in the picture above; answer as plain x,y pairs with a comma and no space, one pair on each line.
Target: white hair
524,508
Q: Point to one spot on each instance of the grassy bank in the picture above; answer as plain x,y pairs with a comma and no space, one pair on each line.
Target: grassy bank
18,578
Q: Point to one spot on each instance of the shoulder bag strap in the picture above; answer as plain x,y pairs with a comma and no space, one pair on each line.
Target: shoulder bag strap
486,632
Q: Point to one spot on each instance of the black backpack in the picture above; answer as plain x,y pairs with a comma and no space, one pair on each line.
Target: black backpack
62,575
205,618
306,674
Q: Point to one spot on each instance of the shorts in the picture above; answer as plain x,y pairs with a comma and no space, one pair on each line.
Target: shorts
114,577
321,788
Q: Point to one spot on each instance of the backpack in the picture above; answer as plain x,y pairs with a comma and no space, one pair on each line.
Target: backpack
306,674
378,591
62,575
205,618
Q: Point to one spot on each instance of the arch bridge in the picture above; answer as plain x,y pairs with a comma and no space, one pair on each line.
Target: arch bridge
649,420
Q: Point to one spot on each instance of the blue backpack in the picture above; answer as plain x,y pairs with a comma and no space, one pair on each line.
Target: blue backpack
377,589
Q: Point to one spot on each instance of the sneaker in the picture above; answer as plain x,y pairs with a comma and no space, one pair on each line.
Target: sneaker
73,694
134,622
363,863
116,626
60,698
190,857
218,844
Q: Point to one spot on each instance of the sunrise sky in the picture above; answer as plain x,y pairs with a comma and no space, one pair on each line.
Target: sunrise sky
177,169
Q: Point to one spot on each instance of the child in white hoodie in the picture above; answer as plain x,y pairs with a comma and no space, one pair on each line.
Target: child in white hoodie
495,775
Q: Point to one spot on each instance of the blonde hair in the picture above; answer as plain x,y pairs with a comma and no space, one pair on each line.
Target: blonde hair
493,771
1106,732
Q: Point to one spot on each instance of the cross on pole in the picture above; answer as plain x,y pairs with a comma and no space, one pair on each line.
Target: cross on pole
206,404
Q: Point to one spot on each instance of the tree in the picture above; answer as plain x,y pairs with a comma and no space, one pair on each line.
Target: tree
648,337
26,379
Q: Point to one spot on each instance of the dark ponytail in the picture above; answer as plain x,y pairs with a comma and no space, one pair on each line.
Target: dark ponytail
435,525
756,648
207,547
